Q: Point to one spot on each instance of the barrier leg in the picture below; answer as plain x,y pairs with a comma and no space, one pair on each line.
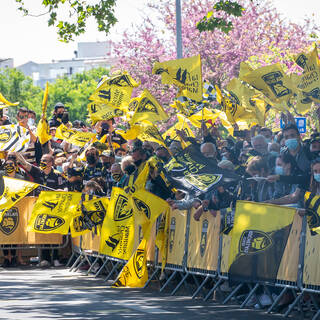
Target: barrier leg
150,279
94,262
294,303
85,259
252,292
101,268
70,259
214,288
201,286
76,262
314,301
180,284
169,279
276,301
316,316
238,287
112,271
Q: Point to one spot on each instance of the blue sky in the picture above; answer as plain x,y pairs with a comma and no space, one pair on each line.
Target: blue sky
28,38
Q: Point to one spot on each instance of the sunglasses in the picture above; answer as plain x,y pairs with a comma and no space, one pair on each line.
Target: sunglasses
23,117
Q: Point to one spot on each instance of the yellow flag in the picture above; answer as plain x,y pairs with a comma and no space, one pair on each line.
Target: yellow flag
115,91
14,190
245,108
244,69
147,207
13,137
147,108
43,128
89,216
118,229
53,212
5,103
180,125
185,73
309,83
205,114
144,132
73,136
100,111
271,81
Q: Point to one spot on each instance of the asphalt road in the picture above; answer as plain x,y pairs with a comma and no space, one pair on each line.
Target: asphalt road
60,294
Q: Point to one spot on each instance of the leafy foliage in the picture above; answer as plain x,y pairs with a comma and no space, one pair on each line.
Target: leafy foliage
79,12
211,22
73,92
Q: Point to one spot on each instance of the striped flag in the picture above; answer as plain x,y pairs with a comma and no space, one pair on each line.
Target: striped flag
14,138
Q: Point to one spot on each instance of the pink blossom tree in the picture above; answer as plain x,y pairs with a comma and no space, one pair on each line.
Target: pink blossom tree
259,32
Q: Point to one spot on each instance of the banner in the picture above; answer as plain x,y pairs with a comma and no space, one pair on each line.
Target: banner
100,111
14,190
185,73
147,108
272,82
117,233
53,212
312,206
258,240
14,138
203,245
74,136
115,91
191,171
309,83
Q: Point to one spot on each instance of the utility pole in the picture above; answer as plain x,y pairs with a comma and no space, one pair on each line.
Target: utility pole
178,29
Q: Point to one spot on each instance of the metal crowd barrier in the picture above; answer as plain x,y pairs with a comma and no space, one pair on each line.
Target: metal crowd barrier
197,250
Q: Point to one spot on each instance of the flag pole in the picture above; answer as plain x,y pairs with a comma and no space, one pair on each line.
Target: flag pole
178,29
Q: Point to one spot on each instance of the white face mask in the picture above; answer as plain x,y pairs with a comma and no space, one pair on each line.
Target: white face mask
30,122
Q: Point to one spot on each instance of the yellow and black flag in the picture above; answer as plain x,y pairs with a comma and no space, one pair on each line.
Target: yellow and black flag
118,229
43,127
78,138
309,82
312,203
100,111
185,73
147,207
272,82
14,190
14,138
181,125
258,239
53,212
147,108
115,91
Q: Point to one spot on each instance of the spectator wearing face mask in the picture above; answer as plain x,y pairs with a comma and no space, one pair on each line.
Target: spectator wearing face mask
93,167
315,147
58,112
260,148
117,175
209,150
294,147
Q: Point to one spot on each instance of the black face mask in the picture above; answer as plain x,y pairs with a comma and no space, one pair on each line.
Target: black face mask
130,169
59,115
137,163
91,159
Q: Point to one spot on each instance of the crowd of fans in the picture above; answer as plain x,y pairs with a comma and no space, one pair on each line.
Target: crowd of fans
275,167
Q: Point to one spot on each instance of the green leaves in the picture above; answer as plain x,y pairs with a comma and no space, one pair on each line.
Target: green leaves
210,22
79,12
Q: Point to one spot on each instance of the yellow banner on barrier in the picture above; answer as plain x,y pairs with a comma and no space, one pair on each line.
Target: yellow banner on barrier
53,212
203,245
14,190
13,228
259,237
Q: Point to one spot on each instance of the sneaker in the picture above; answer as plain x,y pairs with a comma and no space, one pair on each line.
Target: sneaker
44,264
264,301
56,263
